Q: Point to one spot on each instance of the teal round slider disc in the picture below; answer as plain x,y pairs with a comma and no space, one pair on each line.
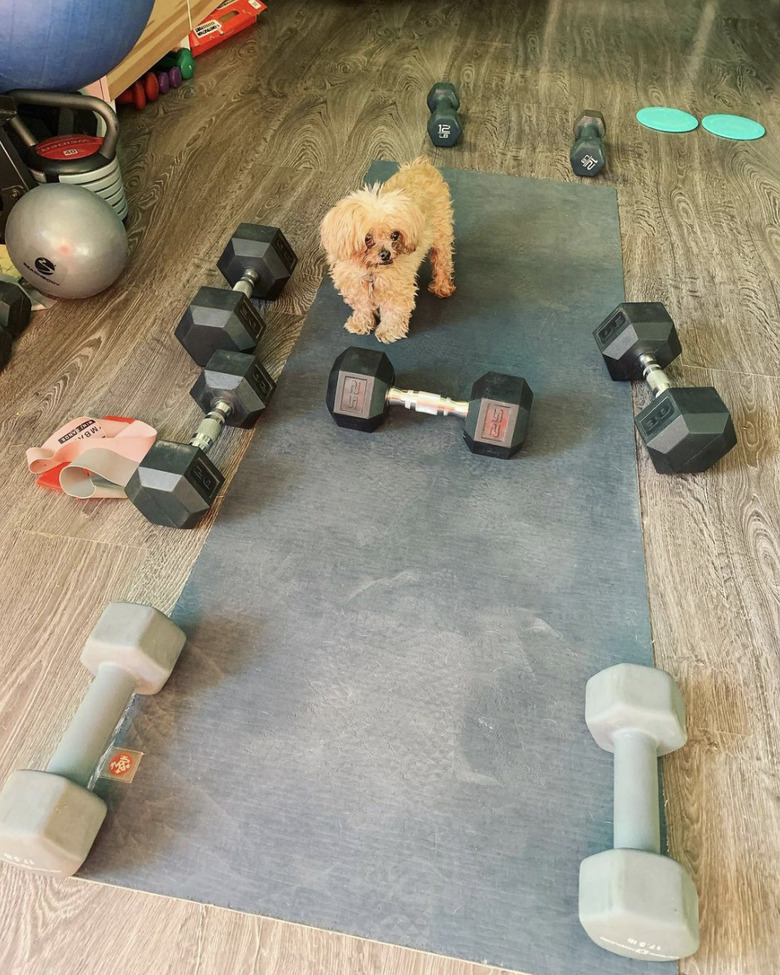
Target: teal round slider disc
733,127
666,119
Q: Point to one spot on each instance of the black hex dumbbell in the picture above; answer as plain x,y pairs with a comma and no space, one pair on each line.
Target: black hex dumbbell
444,126
588,155
361,392
15,311
687,429
176,483
257,262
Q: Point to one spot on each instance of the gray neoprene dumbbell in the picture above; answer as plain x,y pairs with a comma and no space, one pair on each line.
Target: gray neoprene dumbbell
633,900
49,820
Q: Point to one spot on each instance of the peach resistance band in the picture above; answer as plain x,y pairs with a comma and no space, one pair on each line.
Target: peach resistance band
89,458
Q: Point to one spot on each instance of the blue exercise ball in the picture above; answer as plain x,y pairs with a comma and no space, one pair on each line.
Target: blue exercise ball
63,45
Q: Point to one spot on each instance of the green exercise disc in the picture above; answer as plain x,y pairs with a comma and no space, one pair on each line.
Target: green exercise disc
733,127
666,119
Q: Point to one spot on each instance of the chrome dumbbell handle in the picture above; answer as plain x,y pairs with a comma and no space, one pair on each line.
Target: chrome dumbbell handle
422,402
246,283
653,374
211,426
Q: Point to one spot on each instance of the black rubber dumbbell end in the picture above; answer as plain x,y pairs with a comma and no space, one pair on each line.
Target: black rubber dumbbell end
15,311
15,308
174,485
6,345
632,329
264,250
686,429
218,319
357,388
238,379
497,420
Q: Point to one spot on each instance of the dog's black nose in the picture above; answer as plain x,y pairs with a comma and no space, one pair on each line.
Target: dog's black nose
384,256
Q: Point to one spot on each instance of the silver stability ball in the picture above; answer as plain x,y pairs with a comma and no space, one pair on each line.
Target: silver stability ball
66,241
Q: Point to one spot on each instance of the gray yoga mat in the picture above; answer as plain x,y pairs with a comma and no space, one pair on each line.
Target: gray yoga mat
377,723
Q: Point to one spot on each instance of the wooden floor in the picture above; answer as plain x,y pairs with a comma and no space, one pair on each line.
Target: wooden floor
278,124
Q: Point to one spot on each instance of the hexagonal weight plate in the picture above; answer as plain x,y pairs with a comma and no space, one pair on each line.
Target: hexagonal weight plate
47,822
238,379
590,117
639,905
497,419
357,388
634,328
686,430
15,308
174,485
442,89
6,345
218,319
264,249
140,639
633,696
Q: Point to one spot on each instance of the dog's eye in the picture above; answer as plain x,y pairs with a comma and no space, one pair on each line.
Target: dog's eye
395,235
369,240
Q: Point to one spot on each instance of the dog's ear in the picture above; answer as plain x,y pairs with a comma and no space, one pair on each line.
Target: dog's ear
411,226
342,230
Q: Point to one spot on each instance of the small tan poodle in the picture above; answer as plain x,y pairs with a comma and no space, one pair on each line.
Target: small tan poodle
376,239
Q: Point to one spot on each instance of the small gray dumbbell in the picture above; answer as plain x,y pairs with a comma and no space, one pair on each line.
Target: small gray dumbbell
633,900
49,820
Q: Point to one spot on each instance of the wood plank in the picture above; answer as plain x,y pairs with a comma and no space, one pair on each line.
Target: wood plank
277,948
715,608
51,926
138,933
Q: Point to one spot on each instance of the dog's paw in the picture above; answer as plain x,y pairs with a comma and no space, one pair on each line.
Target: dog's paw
387,335
442,290
359,325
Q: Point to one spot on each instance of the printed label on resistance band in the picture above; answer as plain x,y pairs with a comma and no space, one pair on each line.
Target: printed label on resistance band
121,764
83,430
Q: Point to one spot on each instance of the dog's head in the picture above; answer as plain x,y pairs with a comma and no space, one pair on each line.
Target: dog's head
372,228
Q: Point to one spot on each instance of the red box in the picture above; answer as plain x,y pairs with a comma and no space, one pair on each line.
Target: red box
230,17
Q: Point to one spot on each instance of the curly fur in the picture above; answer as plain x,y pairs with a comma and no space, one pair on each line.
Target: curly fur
376,239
